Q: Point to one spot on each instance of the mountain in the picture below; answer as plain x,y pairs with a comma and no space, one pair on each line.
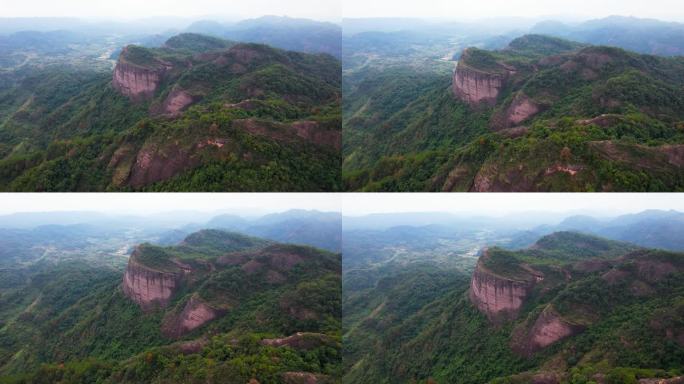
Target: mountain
278,31
652,228
631,33
543,114
571,308
199,113
218,307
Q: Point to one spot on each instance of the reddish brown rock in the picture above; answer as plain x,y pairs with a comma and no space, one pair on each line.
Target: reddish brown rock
476,87
497,297
153,164
176,102
147,287
136,82
195,314
549,328
522,108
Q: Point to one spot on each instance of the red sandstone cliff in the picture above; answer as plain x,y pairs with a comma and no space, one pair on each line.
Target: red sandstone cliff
147,287
499,298
137,82
195,314
547,329
476,87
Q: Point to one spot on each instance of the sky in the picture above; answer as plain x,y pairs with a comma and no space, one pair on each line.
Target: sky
672,10
329,10
503,204
150,203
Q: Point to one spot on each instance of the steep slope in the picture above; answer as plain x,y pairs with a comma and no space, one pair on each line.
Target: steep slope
543,114
219,307
570,308
199,113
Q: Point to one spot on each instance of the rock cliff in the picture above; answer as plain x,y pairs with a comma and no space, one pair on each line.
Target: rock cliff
499,298
476,87
547,329
137,82
147,287
195,314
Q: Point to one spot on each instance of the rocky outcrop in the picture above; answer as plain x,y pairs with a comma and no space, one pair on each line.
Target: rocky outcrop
176,102
476,87
195,314
497,297
136,82
152,164
521,109
147,287
548,329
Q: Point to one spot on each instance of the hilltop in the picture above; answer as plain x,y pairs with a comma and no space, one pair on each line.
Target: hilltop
218,306
570,308
198,113
542,114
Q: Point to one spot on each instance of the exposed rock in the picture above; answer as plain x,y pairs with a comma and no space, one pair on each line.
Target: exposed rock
176,102
195,314
514,132
499,298
548,329
136,82
147,287
603,121
476,87
153,165
521,109
300,340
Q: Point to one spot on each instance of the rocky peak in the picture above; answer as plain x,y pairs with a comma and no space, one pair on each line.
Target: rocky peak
478,79
147,287
137,73
499,298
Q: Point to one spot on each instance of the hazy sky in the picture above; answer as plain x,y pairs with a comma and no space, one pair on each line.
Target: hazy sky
135,9
460,9
501,204
142,203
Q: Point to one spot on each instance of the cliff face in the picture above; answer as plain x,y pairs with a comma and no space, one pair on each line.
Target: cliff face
548,329
136,82
495,296
147,287
195,314
476,87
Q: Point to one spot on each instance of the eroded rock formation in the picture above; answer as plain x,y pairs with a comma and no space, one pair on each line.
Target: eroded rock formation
476,87
147,287
136,82
548,329
521,108
499,298
195,314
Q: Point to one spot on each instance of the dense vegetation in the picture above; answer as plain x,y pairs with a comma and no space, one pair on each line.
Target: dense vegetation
63,129
70,322
419,325
608,120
